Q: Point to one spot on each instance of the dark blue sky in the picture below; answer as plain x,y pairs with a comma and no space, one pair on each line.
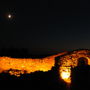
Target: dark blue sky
45,26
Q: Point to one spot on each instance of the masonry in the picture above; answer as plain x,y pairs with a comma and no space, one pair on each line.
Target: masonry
70,60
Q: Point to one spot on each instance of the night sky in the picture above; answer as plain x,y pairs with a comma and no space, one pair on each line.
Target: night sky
45,27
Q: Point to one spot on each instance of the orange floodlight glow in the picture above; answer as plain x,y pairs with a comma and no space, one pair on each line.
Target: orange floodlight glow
18,66
65,73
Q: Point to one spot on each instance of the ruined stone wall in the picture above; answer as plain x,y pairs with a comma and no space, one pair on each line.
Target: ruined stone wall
17,66
71,60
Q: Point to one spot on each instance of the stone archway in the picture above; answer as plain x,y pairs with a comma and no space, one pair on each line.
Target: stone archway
69,61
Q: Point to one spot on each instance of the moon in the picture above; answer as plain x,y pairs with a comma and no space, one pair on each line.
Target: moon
9,16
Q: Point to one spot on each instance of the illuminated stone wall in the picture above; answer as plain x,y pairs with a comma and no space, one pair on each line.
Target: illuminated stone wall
17,66
28,65
71,60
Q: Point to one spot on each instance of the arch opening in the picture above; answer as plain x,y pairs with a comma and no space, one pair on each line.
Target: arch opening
82,61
